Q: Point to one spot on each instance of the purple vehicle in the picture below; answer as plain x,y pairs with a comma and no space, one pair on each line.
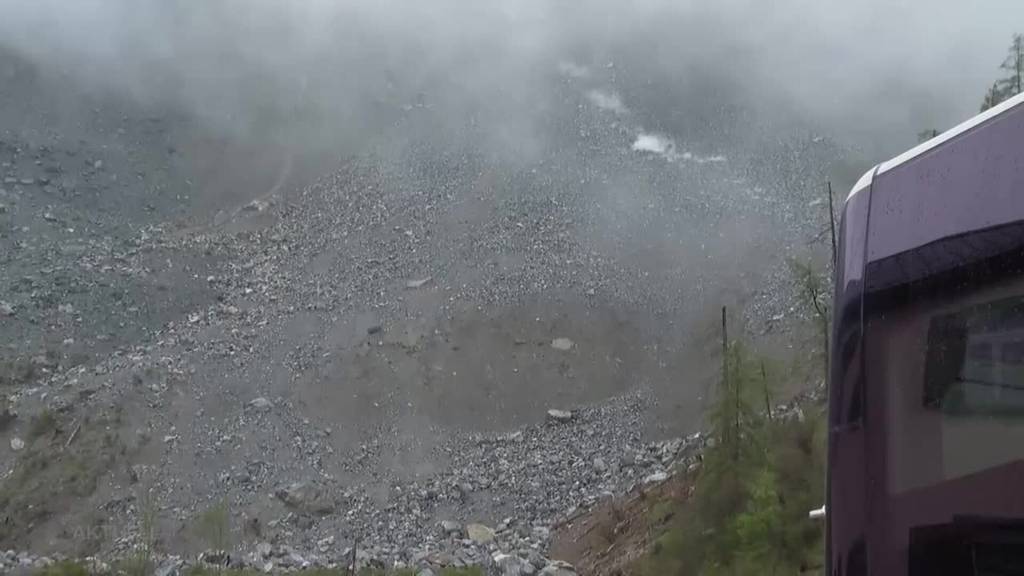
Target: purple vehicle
926,394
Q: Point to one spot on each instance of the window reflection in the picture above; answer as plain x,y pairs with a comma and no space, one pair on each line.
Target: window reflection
975,362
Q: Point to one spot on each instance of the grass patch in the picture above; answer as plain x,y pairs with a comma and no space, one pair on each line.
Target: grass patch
140,562
16,371
202,571
64,568
661,512
47,477
213,526
42,424
377,572
6,416
470,571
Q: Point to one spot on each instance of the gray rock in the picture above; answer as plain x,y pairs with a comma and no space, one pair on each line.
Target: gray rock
6,309
264,549
425,572
511,565
451,528
306,497
325,544
215,558
600,466
293,560
171,566
563,344
536,560
257,206
557,415
261,403
464,489
414,284
17,444
6,418
303,521
135,473
656,477
479,533
541,533
558,568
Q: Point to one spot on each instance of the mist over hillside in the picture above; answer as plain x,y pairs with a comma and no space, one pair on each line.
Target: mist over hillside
377,272
342,74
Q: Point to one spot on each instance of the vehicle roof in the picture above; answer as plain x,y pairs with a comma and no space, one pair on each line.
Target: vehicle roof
954,200
933,143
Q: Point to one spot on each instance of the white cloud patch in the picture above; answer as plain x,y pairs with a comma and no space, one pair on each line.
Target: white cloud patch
666,148
655,143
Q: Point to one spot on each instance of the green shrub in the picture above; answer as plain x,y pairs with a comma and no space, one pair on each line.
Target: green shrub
748,511
325,572
214,526
470,571
204,571
42,424
16,371
64,568
45,476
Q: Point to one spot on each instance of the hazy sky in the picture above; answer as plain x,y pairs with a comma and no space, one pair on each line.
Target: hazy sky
870,73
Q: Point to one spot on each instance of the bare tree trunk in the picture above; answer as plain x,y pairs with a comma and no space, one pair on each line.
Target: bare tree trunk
736,430
1017,42
726,387
767,397
352,559
725,352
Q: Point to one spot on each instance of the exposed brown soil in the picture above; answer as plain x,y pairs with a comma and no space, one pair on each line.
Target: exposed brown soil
609,539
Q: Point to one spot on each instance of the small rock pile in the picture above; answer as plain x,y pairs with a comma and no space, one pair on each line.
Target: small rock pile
27,564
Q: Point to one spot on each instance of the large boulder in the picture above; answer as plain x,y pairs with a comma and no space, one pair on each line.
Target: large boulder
479,533
563,344
556,415
450,528
306,497
512,565
558,568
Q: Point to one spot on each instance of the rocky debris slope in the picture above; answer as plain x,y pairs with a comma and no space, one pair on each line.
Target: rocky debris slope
323,359
554,459
537,476
219,400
